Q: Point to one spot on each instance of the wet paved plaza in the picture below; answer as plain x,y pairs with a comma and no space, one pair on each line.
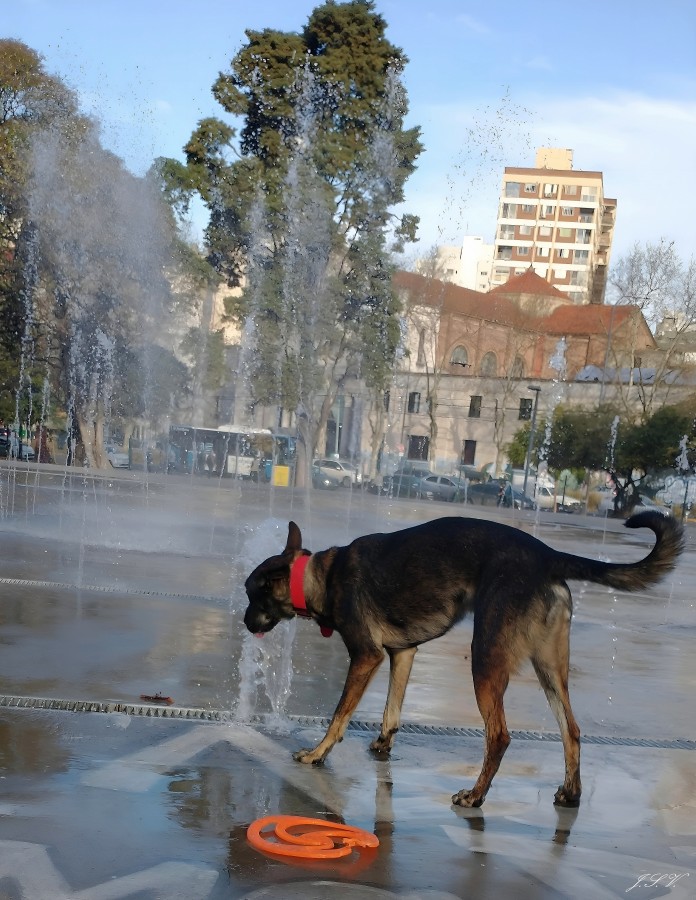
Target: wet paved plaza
121,586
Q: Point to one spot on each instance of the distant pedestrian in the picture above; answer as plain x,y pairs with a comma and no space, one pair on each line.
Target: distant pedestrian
501,493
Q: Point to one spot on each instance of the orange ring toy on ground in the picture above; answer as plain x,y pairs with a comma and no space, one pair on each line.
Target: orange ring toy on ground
311,838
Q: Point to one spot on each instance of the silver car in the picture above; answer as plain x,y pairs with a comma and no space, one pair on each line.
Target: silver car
344,472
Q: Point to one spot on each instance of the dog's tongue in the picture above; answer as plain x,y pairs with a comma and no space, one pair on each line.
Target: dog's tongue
259,634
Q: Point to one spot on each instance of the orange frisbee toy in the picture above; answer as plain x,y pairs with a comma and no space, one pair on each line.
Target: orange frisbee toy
309,838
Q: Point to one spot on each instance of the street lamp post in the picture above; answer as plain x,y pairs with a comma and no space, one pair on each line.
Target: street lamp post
537,390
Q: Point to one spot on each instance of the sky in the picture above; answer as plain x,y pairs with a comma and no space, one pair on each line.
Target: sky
488,83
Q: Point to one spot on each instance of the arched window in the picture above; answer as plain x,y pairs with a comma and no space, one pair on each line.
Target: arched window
459,357
489,365
517,368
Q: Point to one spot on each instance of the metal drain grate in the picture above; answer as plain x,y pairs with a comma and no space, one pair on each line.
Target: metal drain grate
107,589
218,715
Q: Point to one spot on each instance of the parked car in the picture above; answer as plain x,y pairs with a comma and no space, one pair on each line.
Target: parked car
547,498
440,487
346,473
473,474
26,452
324,481
645,502
23,451
119,459
489,495
405,483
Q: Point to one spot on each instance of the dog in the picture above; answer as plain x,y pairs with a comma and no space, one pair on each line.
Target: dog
393,592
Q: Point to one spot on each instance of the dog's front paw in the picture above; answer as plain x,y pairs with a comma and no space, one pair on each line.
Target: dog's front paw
563,797
467,799
308,757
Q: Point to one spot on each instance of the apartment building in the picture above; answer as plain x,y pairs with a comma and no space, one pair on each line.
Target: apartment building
468,265
555,220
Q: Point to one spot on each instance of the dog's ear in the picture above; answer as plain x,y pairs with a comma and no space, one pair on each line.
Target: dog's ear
294,544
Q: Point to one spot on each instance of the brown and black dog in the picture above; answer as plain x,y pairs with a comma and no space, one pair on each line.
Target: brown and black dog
395,591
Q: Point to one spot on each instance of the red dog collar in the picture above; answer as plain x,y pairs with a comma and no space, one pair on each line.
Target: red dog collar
297,596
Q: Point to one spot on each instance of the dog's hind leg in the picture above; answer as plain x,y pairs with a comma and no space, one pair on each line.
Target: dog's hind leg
491,670
400,662
360,673
551,662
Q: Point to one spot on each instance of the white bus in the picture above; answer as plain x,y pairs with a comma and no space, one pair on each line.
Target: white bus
228,451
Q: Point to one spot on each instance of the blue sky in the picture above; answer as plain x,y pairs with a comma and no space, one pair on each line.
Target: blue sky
488,82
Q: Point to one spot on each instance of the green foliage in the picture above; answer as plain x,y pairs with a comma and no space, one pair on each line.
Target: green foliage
582,439
206,352
148,381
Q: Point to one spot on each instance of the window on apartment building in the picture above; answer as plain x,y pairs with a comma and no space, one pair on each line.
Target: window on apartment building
550,190
547,212
475,407
523,251
509,210
468,453
489,365
570,189
420,359
414,399
581,255
545,231
583,236
507,232
526,230
512,189
527,207
567,211
525,408
542,251
504,252
559,273
565,232
418,446
563,253
586,215
459,357
530,188
589,193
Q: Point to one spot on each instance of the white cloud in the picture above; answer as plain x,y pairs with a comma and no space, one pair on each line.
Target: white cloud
645,148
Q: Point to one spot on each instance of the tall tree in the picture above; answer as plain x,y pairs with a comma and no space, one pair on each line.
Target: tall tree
31,101
302,201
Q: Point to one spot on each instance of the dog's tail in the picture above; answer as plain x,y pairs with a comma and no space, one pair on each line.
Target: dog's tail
631,576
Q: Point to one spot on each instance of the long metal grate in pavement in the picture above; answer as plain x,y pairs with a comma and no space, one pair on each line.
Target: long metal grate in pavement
217,715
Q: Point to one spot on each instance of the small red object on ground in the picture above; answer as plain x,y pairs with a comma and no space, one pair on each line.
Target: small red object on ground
156,698
309,838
